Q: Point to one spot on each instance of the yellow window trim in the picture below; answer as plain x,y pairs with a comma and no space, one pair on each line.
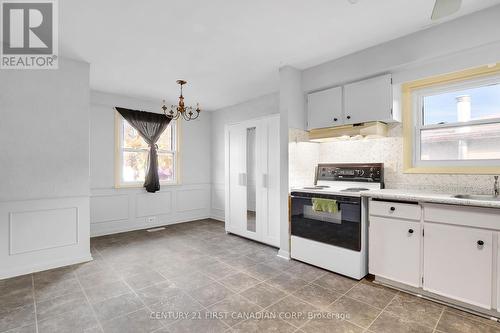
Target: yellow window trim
178,136
407,105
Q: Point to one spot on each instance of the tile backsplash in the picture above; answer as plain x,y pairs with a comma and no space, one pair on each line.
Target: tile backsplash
389,150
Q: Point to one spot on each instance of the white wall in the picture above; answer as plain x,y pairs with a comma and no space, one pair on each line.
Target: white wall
258,107
115,210
44,178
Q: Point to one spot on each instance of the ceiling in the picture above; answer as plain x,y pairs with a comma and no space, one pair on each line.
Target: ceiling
228,50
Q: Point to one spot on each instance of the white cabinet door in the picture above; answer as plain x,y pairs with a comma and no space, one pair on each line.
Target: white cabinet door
368,100
456,265
394,250
324,108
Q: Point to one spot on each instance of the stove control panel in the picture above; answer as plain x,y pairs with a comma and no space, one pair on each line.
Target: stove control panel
365,172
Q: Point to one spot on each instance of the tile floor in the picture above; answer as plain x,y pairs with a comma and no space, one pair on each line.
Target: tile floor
192,277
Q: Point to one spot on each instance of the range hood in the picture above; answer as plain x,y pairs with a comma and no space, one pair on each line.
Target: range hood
368,130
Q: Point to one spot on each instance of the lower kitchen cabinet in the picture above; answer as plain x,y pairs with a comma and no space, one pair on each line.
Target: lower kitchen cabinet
394,250
458,263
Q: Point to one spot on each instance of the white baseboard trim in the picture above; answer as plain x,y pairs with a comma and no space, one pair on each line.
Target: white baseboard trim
218,218
143,226
284,254
4,274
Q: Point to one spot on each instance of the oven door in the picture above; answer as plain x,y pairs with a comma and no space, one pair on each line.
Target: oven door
341,229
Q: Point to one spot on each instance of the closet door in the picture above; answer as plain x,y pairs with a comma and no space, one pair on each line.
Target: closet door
243,197
235,209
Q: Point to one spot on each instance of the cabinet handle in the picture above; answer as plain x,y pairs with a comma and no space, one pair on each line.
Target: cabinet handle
393,209
410,231
335,119
480,243
348,117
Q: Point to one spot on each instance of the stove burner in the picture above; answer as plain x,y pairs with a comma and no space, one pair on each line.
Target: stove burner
317,187
354,189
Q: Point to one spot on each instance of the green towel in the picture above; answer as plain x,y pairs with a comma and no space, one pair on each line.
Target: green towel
325,205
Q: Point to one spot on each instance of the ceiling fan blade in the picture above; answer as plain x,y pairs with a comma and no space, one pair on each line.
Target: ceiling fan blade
443,8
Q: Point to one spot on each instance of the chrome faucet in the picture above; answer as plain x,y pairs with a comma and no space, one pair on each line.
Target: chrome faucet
496,190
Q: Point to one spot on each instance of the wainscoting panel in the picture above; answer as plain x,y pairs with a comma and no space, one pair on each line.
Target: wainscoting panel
41,234
159,203
42,229
192,199
109,208
172,204
217,211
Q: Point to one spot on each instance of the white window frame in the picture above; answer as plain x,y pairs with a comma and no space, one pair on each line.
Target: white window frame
120,149
418,114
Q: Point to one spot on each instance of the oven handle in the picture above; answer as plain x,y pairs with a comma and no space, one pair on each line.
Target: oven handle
339,201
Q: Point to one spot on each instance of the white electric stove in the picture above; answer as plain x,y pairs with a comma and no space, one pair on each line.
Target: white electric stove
335,241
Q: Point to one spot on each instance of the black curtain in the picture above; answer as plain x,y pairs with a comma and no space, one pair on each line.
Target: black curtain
150,126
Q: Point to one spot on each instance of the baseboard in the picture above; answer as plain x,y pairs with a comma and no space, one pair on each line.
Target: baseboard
4,274
143,226
218,218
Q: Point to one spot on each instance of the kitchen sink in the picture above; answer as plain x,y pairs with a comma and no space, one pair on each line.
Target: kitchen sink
483,197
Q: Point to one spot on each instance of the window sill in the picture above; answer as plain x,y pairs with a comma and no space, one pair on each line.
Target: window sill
469,170
141,185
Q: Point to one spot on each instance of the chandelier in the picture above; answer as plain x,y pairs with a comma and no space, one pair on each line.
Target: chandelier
176,111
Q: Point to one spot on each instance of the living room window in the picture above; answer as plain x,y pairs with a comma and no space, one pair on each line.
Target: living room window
452,123
132,155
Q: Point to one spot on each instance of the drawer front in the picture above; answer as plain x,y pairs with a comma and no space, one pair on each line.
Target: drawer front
488,218
395,210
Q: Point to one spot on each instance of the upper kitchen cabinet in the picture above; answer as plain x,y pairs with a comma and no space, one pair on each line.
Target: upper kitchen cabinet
324,108
368,100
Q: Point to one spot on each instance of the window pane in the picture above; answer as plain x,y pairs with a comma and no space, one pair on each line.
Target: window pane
132,139
166,166
165,140
462,105
478,142
134,166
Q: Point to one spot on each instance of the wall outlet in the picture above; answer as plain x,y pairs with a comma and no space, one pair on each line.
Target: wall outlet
151,219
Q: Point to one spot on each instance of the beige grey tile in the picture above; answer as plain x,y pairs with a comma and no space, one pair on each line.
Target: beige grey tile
306,272
72,321
117,306
280,263
263,294
25,329
415,309
158,292
293,310
45,290
210,294
98,278
143,280
15,298
239,282
317,295
17,317
234,309
262,271
58,305
18,282
389,323
333,325
375,295
355,311
335,282
168,310
274,325
57,274
240,263
451,322
107,290
192,281
135,322
473,317
198,324
218,270
287,282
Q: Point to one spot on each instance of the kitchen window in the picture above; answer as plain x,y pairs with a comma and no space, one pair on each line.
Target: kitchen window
132,154
454,123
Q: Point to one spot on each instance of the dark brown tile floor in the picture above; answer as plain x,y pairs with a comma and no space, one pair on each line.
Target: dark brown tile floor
192,277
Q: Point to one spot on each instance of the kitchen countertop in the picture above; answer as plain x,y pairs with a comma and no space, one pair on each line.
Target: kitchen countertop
442,198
